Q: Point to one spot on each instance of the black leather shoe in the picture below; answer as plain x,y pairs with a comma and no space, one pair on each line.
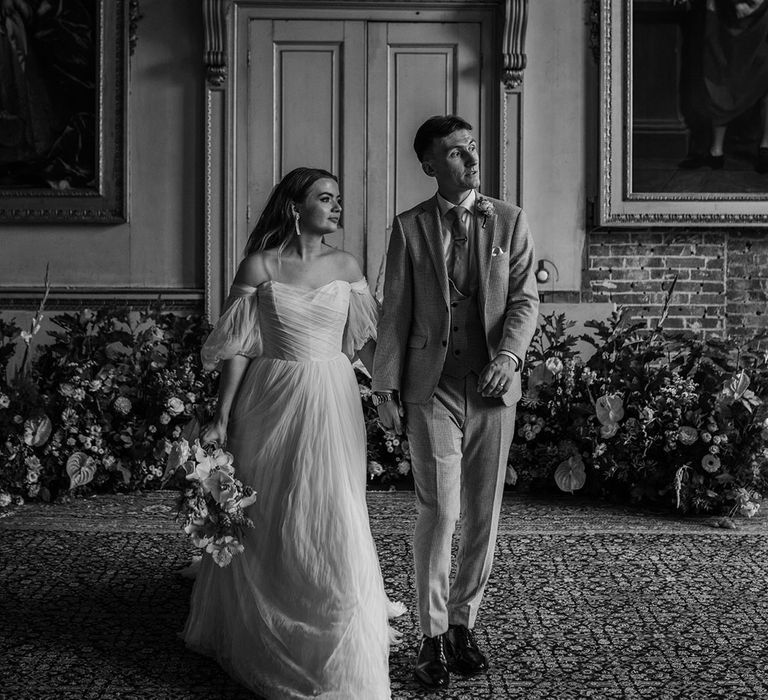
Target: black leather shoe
762,160
462,652
431,666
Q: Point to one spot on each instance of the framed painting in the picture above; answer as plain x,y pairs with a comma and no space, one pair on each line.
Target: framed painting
63,111
683,113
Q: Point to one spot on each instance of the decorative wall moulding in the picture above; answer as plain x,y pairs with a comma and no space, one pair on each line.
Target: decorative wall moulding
513,44
656,128
215,28
18,298
513,56
63,121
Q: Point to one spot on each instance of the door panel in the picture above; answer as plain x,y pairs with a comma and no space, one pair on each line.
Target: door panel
415,71
304,79
348,96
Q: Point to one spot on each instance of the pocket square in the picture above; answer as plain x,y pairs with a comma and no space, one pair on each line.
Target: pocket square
497,251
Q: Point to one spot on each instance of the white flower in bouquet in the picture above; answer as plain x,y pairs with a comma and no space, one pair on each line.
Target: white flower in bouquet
223,549
5,499
196,531
204,463
213,501
175,406
221,486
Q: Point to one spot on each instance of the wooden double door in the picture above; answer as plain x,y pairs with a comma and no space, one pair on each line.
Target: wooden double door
347,94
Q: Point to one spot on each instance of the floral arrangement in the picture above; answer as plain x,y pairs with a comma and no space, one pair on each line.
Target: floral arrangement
665,418
99,407
389,458
212,501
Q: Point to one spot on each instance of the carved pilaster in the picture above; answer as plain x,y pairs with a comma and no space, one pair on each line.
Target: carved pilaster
214,22
513,45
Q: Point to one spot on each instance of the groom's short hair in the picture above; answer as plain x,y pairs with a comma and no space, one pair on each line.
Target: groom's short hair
435,128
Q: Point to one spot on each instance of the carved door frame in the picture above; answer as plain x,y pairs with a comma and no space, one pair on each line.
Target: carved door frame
220,25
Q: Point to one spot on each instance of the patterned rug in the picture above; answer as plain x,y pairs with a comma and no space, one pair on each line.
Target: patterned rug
585,601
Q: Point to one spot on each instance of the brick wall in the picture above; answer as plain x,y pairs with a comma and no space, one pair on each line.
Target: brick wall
722,277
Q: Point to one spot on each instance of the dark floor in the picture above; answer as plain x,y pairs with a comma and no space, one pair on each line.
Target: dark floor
584,602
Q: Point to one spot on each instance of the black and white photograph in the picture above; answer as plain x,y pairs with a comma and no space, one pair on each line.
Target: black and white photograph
383,349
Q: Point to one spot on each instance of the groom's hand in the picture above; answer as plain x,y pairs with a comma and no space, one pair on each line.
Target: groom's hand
496,378
389,415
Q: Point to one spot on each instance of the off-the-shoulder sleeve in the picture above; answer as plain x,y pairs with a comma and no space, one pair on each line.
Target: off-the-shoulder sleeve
237,330
362,319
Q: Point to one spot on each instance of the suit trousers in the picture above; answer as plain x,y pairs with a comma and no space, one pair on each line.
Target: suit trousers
459,444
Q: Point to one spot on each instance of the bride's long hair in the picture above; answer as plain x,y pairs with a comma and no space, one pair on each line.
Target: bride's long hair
276,225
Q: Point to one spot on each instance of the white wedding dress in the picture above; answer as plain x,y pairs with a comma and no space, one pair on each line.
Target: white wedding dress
302,612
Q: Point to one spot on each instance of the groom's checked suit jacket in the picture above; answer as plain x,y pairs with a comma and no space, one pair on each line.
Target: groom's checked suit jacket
413,332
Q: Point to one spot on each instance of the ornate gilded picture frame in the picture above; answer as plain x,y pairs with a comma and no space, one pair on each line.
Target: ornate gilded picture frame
63,69
680,133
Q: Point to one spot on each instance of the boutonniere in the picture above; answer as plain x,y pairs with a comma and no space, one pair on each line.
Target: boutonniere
485,207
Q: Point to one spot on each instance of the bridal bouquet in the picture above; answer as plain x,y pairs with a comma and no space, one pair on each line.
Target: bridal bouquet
212,501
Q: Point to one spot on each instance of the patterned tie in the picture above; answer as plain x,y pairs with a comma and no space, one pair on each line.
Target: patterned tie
458,268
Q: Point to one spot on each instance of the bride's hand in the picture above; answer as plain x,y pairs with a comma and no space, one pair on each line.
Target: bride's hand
214,433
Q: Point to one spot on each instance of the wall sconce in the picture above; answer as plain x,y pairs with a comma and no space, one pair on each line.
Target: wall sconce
542,274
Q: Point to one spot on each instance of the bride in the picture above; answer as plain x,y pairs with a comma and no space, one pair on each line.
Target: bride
302,612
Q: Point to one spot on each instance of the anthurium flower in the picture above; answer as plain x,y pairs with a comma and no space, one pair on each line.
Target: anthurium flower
37,430
81,469
570,475
738,385
609,409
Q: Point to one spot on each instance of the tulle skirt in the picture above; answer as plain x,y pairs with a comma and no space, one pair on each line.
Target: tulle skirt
302,612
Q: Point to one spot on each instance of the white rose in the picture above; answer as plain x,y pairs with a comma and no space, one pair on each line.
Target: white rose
175,406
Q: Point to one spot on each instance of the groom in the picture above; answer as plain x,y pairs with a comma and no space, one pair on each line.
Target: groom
460,308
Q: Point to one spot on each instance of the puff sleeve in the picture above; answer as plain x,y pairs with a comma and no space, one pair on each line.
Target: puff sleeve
362,319
237,330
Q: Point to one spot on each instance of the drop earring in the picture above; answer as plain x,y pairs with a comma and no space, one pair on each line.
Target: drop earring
296,221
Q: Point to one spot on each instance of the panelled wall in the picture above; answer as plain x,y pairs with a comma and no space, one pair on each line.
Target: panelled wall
722,274
159,251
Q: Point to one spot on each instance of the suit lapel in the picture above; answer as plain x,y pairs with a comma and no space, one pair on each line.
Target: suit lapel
430,229
484,248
